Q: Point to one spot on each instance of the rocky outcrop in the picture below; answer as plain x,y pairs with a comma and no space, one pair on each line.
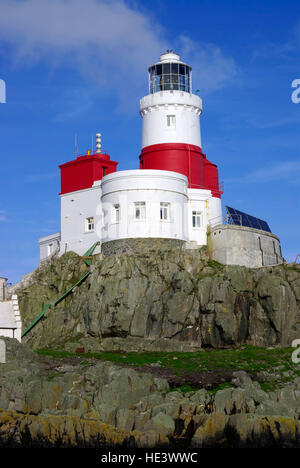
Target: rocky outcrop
98,404
162,300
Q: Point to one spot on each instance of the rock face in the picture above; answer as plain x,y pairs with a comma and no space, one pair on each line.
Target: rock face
95,404
168,299
162,300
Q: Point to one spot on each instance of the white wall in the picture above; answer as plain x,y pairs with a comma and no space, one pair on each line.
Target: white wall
76,207
198,202
215,215
10,319
49,245
125,188
149,186
211,210
154,109
240,245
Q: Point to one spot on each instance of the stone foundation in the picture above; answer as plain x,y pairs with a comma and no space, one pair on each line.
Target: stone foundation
139,245
244,246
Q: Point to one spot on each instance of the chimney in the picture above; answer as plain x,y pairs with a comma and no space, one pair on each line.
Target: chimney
98,143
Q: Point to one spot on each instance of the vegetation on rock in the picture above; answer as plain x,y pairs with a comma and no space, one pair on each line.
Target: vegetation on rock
172,300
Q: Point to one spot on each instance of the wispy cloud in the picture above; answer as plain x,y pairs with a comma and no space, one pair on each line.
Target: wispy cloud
287,171
2,216
108,42
231,122
284,49
40,177
76,101
111,42
212,69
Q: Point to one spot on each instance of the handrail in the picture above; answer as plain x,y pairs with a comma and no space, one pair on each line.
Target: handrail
66,293
295,262
93,153
37,319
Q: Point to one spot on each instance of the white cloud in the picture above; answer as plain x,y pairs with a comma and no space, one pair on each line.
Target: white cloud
93,36
108,41
212,69
40,177
284,50
2,216
287,171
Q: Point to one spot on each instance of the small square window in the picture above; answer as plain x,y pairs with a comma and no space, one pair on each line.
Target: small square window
171,121
196,219
140,210
165,211
89,224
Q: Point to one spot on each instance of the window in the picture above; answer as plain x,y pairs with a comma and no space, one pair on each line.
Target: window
165,211
89,224
140,210
169,77
104,171
116,213
171,120
196,219
49,249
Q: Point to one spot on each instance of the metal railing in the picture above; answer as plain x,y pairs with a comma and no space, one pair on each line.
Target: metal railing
66,293
233,219
91,153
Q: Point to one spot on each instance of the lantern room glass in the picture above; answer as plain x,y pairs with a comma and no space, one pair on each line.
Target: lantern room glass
170,76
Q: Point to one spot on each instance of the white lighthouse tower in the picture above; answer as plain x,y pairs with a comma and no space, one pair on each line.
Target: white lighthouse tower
171,138
170,111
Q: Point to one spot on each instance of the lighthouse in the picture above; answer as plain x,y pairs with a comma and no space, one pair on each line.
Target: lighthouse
173,199
174,195
171,136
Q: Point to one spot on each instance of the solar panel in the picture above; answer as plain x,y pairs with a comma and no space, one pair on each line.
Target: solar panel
239,218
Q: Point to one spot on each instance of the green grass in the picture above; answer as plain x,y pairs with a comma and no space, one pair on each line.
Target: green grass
248,358
269,386
183,389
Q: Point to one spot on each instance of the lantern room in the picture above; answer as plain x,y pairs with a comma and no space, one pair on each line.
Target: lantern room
170,74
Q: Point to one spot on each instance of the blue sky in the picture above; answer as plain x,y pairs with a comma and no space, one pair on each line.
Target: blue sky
80,67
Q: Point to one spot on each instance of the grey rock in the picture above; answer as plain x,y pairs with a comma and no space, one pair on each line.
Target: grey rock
161,299
161,423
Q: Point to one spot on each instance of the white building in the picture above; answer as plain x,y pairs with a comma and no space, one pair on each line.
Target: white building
170,196
174,194
10,319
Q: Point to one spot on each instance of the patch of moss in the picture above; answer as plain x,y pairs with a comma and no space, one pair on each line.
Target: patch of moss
183,389
249,358
220,387
214,264
54,375
269,386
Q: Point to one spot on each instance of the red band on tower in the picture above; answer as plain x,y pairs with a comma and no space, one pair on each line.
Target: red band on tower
185,159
